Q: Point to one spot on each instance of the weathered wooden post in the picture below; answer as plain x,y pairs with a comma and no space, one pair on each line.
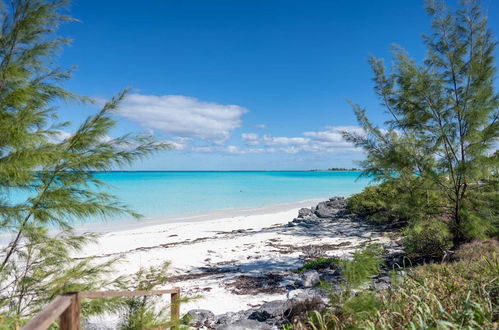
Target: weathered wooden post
70,318
175,306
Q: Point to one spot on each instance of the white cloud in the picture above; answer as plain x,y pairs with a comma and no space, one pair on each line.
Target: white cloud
283,141
61,135
231,149
332,137
176,145
329,140
250,138
182,116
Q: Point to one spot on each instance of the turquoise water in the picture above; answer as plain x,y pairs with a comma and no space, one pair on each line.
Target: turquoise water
160,194
157,195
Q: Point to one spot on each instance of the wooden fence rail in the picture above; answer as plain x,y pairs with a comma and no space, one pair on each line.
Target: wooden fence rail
66,307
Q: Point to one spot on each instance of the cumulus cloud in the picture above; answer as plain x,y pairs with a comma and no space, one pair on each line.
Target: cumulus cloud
176,144
183,116
268,140
230,149
250,138
284,141
329,140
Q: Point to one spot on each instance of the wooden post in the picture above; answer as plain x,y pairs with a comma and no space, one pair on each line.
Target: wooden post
70,318
175,306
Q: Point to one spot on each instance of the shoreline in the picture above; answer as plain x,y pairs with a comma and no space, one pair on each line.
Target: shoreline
104,227
216,257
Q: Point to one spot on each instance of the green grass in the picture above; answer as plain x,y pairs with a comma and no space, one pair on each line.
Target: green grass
319,264
462,294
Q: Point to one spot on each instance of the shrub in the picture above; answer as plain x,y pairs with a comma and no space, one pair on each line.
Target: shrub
365,264
429,238
371,202
318,264
361,304
397,200
453,295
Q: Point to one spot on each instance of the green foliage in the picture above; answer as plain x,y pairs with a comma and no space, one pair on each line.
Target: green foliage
55,173
443,124
397,201
365,264
141,312
454,295
427,238
318,264
362,304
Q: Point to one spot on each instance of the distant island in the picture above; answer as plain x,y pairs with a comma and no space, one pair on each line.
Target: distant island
337,169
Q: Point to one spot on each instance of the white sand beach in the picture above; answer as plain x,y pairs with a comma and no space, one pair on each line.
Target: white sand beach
212,258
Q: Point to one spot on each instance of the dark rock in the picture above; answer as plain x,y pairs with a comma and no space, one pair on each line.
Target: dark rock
260,316
305,294
303,212
307,224
231,317
324,211
201,317
246,325
337,202
275,309
311,218
310,278
382,283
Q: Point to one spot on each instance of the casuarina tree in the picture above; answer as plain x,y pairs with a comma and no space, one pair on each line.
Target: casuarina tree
443,120
47,173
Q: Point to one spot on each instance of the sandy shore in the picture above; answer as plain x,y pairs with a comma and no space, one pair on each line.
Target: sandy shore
213,257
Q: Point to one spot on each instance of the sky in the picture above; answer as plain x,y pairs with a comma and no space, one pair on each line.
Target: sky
240,85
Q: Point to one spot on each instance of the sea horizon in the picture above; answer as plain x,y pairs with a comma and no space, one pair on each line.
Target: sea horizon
318,170
166,194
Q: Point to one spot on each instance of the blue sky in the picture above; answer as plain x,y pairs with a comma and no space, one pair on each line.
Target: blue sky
246,84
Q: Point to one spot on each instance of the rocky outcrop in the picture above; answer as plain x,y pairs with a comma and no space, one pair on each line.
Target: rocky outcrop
246,325
200,318
272,314
310,278
304,212
331,209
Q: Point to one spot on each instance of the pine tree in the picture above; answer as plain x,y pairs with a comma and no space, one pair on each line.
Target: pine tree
56,174
444,119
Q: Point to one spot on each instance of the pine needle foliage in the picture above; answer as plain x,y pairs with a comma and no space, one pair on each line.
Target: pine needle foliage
444,122
147,312
56,174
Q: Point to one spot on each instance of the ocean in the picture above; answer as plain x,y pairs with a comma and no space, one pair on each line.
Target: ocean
166,194
189,195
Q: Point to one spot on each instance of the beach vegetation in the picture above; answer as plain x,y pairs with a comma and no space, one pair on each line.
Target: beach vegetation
320,263
454,295
397,202
50,165
429,238
443,127
435,166
364,264
147,312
